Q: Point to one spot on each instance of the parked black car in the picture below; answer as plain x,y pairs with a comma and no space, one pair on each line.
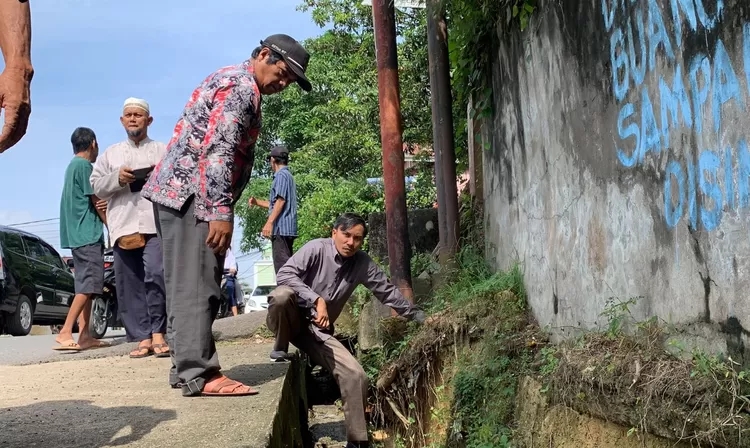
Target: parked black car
37,287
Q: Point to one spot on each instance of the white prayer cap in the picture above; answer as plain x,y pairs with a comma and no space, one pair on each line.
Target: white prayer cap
136,102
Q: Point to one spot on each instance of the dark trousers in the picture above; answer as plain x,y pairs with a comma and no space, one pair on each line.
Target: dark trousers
285,320
231,299
193,277
139,277
281,250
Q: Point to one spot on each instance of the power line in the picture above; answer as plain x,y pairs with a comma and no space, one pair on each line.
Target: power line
253,274
32,222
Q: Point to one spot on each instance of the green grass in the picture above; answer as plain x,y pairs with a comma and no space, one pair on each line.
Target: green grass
474,278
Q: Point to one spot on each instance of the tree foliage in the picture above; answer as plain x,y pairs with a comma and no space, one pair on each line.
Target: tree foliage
472,35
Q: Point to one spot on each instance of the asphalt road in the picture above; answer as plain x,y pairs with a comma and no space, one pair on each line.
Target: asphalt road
25,350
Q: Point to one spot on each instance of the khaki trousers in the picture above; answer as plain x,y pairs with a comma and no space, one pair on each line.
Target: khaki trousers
285,321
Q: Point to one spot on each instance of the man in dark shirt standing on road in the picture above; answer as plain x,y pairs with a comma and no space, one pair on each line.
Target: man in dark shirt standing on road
314,286
281,226
194,188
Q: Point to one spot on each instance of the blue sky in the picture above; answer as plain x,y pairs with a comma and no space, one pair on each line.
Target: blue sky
89,55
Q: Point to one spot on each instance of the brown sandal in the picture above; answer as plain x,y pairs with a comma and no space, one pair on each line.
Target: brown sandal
221,386
160,353
69,345
141,352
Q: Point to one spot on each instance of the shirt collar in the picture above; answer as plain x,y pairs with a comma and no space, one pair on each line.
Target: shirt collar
285,167
132,144
333,252
337,256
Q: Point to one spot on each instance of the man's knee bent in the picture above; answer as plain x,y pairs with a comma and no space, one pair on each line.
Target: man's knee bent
282,296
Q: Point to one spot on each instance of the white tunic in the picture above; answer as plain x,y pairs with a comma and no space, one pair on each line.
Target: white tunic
127,212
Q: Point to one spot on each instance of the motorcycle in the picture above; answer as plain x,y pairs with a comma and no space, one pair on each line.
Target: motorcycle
224,309
104,307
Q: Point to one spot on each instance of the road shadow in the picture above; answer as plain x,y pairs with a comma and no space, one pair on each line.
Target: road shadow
257,374
77,423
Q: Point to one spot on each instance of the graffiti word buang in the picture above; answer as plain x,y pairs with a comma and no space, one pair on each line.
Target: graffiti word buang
659,91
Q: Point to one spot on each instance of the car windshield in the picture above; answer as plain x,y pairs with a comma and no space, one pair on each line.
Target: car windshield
263,290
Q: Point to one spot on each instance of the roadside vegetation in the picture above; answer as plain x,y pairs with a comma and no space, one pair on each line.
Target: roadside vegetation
453,382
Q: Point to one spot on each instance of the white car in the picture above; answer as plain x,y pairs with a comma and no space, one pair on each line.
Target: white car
258,300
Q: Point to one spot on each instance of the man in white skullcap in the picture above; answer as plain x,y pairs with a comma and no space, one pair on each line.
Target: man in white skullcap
118,177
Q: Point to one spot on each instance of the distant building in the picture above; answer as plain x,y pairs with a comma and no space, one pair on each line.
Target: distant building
263,273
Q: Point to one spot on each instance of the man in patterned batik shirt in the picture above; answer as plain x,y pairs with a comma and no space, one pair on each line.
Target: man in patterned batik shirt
194,189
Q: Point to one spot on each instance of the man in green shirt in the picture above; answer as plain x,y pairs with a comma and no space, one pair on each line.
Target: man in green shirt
81,217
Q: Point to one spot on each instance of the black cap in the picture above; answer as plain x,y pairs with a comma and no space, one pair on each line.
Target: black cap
295,56
279,151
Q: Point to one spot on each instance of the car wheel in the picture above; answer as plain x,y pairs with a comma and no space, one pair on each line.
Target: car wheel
19,323
98,327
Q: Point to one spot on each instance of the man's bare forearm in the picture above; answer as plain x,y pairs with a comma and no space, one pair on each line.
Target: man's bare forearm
103,217
15,35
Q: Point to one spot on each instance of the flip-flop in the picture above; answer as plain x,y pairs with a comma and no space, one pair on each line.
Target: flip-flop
139,352
68,346
222,386
160,354
95,345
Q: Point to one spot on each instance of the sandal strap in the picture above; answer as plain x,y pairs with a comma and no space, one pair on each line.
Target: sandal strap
223,384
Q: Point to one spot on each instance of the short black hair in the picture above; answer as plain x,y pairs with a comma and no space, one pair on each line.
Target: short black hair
348,220
273,58
82,139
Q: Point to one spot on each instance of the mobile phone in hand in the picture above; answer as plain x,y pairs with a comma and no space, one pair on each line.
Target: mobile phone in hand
142,173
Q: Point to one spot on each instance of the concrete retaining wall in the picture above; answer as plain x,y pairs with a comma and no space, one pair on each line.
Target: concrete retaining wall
290,418
619,163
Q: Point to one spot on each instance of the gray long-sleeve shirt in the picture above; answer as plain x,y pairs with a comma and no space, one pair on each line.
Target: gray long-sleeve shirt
318,270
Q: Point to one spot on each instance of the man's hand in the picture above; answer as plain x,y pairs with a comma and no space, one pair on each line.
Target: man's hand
219,236
321,320
252,201
233,271
101,205
15,99
267,230
126,176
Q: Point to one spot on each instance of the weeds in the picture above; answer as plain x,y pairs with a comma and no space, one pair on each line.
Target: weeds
480,328
628,378
474,278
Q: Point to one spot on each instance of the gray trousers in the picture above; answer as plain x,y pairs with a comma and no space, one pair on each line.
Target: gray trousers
285,320
139,277
193,278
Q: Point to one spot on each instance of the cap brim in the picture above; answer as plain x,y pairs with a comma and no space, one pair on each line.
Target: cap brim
302,80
